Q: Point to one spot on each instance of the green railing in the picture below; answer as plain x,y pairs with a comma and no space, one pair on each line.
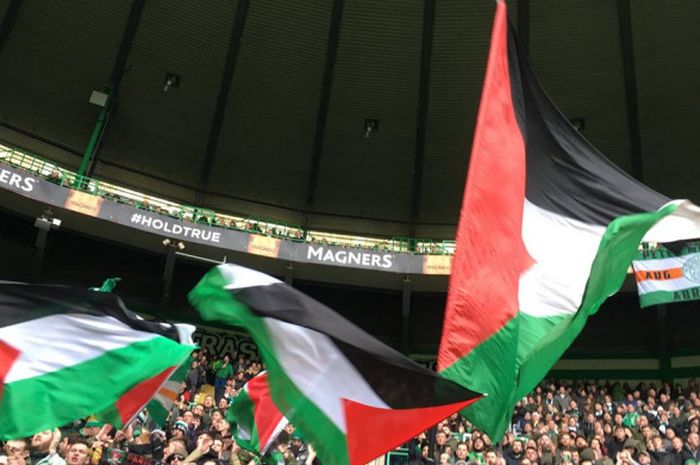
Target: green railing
48,170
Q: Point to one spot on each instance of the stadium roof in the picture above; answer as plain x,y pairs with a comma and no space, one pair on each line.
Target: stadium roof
270,112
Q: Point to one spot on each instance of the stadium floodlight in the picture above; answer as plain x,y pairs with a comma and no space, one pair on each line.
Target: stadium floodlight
172,81
371,125
167,242
47,222
578,123
99,98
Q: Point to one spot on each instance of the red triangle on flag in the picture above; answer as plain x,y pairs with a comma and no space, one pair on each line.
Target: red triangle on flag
267,415
8,356
138,396
393,426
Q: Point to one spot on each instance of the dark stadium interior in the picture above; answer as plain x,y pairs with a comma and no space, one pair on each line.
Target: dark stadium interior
275,147
268,116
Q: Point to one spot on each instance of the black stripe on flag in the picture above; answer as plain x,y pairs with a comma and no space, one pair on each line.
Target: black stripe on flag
400,382
565,173
23,302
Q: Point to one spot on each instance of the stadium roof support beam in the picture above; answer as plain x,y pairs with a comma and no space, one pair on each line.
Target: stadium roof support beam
624,18
663,351
132,24
8,21
422,110
234,47
92,151
524,25
322,114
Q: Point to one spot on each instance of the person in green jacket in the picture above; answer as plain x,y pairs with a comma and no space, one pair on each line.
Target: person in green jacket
223,370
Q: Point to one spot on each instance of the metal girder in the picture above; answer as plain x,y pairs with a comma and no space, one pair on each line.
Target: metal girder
422,110
234,46
132,24
630,76
8,21
524,25
322,114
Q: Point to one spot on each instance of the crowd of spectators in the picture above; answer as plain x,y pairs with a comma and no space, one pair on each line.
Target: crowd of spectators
557,424
584,424
258,226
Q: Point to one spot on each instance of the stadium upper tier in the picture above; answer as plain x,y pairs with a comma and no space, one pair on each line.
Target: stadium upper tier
352,116
264,228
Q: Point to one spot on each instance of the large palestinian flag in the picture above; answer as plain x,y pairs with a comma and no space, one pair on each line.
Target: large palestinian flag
254,417
547,231
350,395
66,353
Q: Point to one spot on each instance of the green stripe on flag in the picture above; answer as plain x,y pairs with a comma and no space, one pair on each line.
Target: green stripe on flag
70,393
665,297
214,302
242,414
157,412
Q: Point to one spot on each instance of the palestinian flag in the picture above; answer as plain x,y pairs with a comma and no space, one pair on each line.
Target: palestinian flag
255,418
667,274
547,231
159,407
350,395
66,353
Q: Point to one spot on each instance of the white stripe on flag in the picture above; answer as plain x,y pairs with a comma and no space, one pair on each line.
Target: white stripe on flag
319,370
683,223
55,342
563,250
240,277
661,263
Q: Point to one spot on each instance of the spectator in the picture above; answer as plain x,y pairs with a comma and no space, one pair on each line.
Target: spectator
44,448
514,454
78,453
195,379
562,400
424,457
223,370
617,442
17,451
691,451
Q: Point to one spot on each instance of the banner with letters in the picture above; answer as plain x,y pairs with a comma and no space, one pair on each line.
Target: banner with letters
27,185
219,342
667,274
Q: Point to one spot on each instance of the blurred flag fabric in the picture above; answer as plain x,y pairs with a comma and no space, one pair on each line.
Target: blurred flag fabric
337,384
162,403
66,353
255,419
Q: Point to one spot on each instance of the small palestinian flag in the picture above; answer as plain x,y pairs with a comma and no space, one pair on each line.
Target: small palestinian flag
350,395
254,417
66,353
162,403
547,231
667,274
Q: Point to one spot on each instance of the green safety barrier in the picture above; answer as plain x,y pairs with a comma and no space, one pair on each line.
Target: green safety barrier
257,225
